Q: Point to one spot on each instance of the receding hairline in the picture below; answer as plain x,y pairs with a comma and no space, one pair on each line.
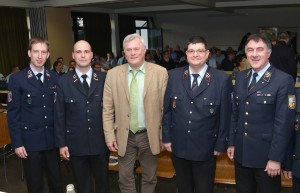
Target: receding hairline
82,42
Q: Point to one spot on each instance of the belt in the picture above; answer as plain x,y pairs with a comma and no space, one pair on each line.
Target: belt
140,131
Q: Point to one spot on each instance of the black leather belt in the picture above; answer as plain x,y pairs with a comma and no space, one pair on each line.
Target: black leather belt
140,131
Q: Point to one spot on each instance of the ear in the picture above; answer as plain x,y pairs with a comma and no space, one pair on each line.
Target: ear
29,53
48,54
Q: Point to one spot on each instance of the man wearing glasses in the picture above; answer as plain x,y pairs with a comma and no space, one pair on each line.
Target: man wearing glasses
197,109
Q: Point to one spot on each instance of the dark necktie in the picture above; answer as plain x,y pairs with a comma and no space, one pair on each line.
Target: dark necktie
85,84
253,81
39,75
195,83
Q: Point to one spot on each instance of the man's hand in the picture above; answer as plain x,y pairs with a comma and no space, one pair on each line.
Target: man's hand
273,168
21,152
287,174
230,152
217,153
168,146
112,146
64,152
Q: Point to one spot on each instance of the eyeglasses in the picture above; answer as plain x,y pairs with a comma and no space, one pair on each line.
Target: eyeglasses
196,51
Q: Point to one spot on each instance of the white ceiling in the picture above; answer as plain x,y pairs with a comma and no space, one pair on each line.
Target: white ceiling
152,6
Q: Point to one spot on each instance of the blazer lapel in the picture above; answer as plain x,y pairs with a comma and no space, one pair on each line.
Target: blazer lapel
148,77
246,80
123,79
204,83
94,83
186,80
77,83
46,79
32,79
263,81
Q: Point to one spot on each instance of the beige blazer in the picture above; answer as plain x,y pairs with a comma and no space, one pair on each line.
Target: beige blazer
116,108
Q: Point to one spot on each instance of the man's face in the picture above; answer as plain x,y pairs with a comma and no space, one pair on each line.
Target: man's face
97,67
148,57
135,52
197,55
257,54
82,54
38,55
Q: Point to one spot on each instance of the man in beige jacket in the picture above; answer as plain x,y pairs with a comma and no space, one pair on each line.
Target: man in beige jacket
132,112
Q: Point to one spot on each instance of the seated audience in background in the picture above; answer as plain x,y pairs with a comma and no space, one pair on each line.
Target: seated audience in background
122,60
2,77
229,62
65,68
283,56
166,61
58,67
219,57
111,60
148,57
172,54
157,56
179,53
211,61
72,65
14,69
183,60
240,65
96,66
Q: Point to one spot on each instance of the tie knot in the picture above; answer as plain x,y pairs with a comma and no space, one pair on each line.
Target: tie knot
255,75
84,76
195,76
39,75
134,73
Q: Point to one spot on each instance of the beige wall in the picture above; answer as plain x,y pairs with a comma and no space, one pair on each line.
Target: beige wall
60,35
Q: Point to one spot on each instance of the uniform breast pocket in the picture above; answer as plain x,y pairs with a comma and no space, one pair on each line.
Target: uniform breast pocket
30,98
176,100
265,100
211,107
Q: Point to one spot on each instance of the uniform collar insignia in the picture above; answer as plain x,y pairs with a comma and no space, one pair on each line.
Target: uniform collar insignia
185,74
29,74
207,77
75,78
95,77
248,74
47,73
267,76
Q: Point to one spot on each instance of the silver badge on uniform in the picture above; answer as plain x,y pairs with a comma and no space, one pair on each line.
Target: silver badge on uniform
211,111
29,99
9,96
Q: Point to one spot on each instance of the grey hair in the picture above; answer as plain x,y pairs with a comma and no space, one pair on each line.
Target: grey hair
131,37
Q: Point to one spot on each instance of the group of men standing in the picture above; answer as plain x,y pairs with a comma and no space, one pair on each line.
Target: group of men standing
137,110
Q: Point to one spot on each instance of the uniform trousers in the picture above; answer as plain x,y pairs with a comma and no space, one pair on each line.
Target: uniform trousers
38,162
250,180
194,176
296,184
138,144
91,173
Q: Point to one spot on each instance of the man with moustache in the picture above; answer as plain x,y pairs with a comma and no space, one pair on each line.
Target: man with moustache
197,108
30,119
78,122
262,120
132,110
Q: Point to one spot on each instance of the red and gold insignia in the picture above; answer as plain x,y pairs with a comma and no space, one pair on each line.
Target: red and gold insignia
207,77
292,101
75,78
95,76
267,76
29,74
185,74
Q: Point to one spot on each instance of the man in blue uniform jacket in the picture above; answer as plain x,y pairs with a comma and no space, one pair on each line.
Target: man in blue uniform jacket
30,117
197,109
292,164
78,122
262,120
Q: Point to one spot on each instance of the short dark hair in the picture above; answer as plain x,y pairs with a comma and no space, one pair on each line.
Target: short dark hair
257,37
197,39
36,40
55,64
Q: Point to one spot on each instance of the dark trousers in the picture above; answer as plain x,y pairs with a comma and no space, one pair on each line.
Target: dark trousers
194,176
91,171
251,180
36,164
296,184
